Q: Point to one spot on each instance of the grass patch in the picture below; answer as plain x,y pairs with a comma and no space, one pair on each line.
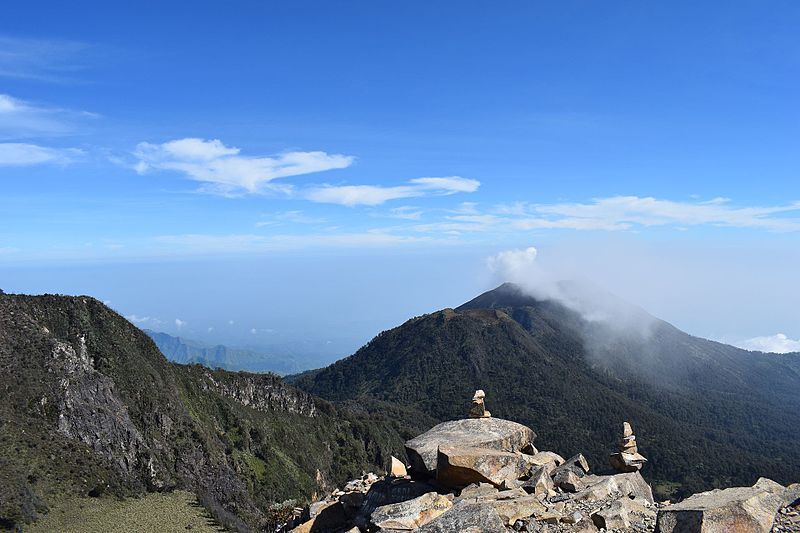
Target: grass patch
155,512
255,464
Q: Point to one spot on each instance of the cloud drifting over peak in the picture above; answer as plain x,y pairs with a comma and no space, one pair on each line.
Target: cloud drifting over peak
778,343
371,195
225,170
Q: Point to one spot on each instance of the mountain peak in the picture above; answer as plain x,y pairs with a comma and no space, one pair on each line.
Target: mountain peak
506,295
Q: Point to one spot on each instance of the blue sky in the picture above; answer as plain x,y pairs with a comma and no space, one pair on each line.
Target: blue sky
367,157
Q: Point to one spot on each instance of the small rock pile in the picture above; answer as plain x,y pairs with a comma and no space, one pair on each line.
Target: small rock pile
788,518
484,475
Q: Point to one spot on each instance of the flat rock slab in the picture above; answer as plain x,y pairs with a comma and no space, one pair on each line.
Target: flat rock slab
458,467
513,509
410,514
390,491
490,433
600,487
466,517
738,509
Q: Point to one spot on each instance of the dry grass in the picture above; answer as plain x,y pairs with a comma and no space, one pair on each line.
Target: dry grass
155,512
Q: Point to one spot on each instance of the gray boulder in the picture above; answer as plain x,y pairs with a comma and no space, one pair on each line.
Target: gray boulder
540,483
630,484
750,509
466,517
489,433
567,480
615,516
410,514
459,467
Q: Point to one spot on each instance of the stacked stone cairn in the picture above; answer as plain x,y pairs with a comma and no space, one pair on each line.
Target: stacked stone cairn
478,409
628,459
484,475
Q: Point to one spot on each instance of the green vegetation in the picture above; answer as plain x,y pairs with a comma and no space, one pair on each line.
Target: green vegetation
89,408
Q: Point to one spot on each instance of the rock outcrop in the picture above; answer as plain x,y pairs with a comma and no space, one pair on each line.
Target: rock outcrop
488,433
90,407
412,513
458,467
480,480
751,509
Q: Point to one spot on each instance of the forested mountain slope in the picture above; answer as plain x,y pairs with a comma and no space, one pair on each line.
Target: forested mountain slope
706,414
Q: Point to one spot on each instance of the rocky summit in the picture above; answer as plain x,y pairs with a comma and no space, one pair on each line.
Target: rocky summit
485,475
490,433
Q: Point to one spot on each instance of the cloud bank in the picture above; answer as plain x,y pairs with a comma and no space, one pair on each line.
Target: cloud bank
778,343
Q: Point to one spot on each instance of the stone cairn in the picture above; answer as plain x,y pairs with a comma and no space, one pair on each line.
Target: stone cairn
628,458
478,409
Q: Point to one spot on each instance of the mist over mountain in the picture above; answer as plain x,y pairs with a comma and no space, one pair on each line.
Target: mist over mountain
710,414
187,351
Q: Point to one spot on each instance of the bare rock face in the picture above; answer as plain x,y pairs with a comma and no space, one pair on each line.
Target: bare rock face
458,467
388,491
614,516
410,514
568,481
512,509
738,509
397,469
466,517
540,483
329,516
630,484
487,433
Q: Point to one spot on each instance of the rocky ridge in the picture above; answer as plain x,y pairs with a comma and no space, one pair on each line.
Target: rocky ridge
89,407
483,474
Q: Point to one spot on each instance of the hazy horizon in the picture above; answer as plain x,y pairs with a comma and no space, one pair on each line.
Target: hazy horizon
326,178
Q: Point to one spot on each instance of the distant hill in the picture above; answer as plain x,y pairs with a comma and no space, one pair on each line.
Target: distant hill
187,351
706,414
89,406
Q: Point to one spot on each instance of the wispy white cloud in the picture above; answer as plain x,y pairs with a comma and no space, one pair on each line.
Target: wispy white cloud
191,244
225,171
20,119
778,343
180,323
406,212
621,212
144,320
290,217
24,154
617,213
352,195
45,60
23,121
